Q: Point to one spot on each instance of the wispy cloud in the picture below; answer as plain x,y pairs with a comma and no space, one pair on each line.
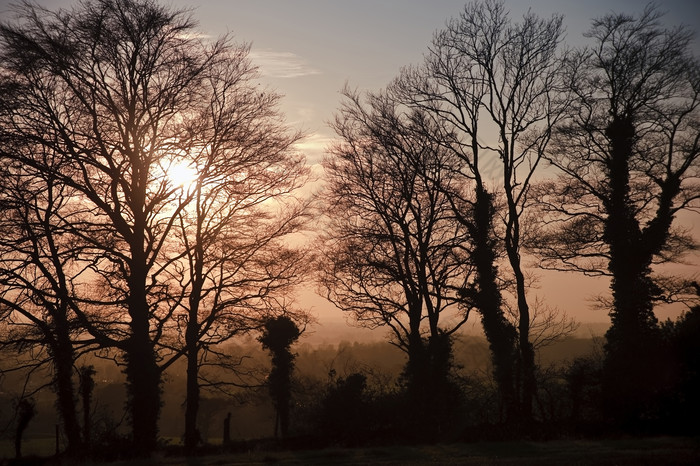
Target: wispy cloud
281,64
314,146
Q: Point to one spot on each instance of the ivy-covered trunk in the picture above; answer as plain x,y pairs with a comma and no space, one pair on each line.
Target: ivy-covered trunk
486,296
63,359
632,337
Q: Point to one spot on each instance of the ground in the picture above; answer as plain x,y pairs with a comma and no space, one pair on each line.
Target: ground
621,451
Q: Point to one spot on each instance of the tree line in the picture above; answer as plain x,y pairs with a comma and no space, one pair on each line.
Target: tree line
506,144
502,146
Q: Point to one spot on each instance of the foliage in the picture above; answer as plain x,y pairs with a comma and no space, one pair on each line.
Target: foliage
278,335
629,157
25,411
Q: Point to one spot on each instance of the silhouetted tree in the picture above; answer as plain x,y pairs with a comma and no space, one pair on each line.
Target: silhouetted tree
233,263
25,412
36,278
434,399
394,255
227,430
278,335
679,405
85,77
86,386
484,294
629,152
494,88
111,97
583,382
343,412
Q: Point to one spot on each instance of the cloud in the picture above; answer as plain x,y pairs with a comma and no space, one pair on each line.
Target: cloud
314,146
281,64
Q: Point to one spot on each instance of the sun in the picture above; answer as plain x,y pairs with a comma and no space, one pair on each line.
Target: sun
182,174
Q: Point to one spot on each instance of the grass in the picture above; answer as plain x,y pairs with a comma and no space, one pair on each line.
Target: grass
624,451
606,452
31,446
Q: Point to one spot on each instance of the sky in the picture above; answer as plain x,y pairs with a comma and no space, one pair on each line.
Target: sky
307,50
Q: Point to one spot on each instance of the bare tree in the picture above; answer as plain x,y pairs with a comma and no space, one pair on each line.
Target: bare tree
119,93
496,86
233,262
394,254
36,279
628,153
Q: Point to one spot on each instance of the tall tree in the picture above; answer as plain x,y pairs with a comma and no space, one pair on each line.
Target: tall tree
233,263
395,256
629,156
102,86
495,86
36,279
117,92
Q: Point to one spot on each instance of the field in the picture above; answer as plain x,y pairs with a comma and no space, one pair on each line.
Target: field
623,451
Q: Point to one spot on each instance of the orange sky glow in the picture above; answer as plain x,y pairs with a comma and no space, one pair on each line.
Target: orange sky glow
307,50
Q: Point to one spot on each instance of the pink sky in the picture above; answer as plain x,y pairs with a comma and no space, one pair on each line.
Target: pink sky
308,49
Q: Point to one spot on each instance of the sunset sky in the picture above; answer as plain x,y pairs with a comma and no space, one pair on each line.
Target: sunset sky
308,49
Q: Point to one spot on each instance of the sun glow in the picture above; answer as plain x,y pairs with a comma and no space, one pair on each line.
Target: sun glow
182,175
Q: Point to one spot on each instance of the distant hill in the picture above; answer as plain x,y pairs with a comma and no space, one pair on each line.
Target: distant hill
339,331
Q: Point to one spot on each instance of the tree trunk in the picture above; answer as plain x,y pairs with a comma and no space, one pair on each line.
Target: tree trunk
192,347
143,377
192,395
142,371
527,352
499,332
227,430
526,389
63,359
65,393
416,366
25,413
87,384
630,341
